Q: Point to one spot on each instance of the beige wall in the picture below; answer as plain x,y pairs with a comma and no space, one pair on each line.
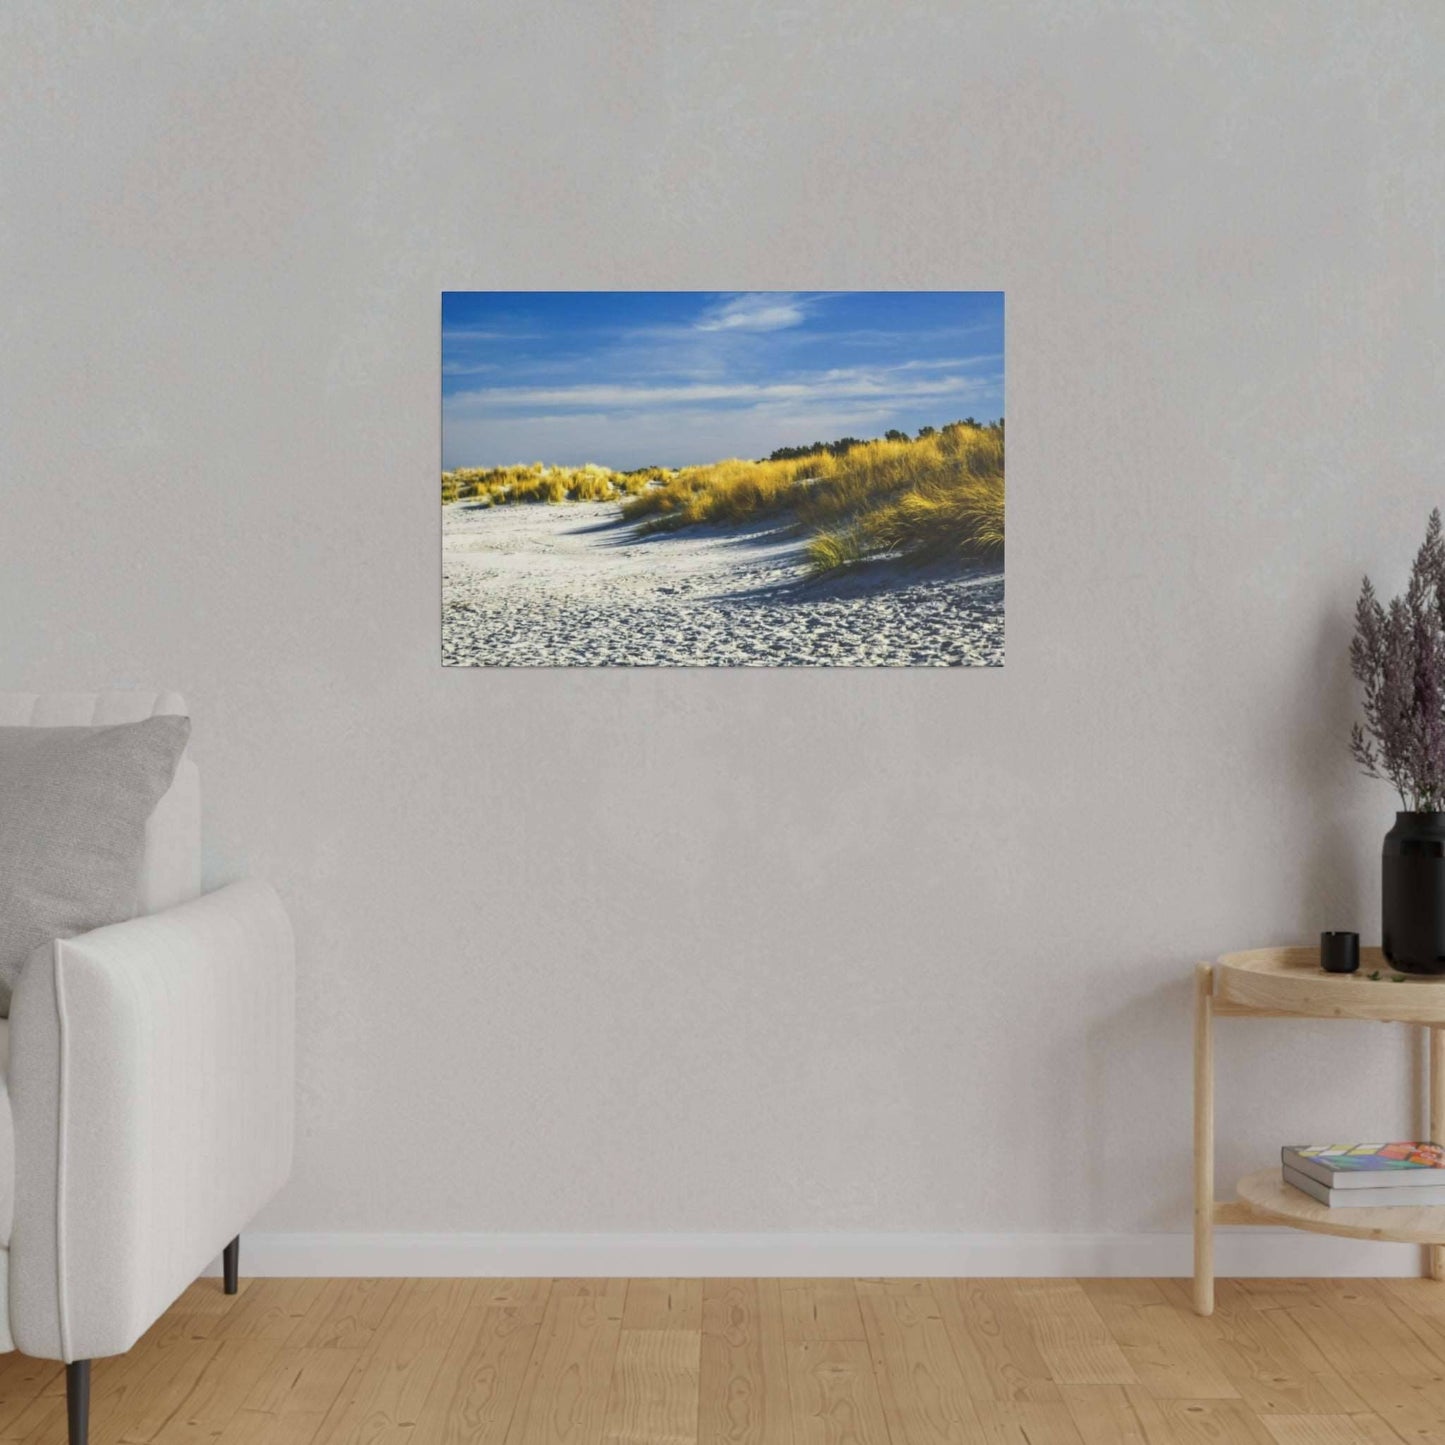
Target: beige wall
745,951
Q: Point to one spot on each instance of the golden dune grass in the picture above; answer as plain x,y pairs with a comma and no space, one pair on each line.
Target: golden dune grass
939,496
494,486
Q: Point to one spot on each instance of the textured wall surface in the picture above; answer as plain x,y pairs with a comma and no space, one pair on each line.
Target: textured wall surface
720,950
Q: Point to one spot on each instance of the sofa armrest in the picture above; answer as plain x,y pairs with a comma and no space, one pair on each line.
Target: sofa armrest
152,1082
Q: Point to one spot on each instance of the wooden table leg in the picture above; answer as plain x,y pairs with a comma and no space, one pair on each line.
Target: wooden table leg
1204,1138
1437,1122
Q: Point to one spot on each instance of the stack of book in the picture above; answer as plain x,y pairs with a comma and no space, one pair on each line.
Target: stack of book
1367,1176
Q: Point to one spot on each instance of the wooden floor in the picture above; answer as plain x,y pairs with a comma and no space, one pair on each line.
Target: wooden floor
765,1362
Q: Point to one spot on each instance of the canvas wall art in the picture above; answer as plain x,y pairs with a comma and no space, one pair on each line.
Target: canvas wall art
722,479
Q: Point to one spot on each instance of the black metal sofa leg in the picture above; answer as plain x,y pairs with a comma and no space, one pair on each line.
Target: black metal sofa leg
77,1375
231,1265
77,1401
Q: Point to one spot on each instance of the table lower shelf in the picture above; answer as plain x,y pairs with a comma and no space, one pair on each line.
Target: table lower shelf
1271,1201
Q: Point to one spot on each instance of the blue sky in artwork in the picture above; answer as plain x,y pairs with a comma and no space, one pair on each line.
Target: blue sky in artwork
638,378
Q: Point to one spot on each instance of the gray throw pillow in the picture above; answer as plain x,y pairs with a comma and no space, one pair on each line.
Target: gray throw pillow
73,809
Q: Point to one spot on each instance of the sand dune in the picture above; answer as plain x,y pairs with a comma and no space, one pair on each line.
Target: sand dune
540,585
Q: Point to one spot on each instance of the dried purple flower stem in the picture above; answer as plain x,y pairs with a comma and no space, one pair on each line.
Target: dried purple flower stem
1398,655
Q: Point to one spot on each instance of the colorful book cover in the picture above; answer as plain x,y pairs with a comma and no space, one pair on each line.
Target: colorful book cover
1363,1158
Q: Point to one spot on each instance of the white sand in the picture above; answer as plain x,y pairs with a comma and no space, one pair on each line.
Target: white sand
541,585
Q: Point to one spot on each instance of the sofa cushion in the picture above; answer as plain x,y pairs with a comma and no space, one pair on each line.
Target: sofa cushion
73,809
171,872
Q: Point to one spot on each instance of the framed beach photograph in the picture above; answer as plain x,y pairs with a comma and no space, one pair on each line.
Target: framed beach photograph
722,479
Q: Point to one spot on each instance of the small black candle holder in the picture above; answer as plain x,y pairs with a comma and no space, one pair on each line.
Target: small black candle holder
1340,952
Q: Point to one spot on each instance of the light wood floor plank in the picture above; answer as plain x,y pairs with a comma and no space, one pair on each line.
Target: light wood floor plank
22,1382
1343,1349
663,1304
263,1310
1375,1430
993,1342
1116,1415
384,1395
918,1290
229,1376
1418,1295
1317,1430
821,1309
1214,1422
764,1362
614,1290
346,1315
1026,1422
1165,1347
513,1291
1413,1408
46,1421
654,1396
292,1398
136,1407
834,1395
569,1379
1419,1313
921,1386
480,1382
1074,1342
743,1396
1267,1374
41,1421
1364,1310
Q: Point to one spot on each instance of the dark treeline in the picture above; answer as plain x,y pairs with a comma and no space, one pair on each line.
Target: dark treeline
845,444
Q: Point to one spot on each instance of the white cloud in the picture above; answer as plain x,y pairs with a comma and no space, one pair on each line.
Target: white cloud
883,385
755,311
469,368
451,335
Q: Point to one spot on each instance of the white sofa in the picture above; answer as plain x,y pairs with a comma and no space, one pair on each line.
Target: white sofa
146,1087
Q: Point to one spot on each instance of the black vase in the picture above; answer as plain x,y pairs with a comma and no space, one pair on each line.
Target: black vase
1414,893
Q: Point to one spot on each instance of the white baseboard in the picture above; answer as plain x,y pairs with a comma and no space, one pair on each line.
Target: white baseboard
1238,1252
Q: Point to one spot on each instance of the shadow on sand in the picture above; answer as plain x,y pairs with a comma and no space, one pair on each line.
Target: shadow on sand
771,550
778,543
867,579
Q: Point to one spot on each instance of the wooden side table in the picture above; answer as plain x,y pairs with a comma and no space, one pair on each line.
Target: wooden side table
1289,983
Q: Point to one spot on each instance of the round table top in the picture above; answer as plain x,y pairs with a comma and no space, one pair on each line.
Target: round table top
1291,981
